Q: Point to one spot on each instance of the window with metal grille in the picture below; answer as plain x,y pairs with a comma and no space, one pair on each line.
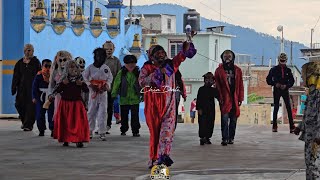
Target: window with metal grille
175,46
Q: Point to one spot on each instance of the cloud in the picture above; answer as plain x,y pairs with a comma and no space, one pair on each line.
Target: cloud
296,16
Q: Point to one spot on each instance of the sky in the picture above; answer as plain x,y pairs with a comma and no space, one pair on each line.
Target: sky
297,17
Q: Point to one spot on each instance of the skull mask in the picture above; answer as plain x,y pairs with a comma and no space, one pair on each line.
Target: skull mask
283,58
71,71
61,58
81,63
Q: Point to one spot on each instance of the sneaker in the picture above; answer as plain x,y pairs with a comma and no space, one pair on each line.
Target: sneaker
224,143
41,133
79,145
231,141
202,141
136,135
123,134
65,144
208,141
103,137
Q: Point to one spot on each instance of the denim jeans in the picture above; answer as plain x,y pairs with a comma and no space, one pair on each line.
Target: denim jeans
228,126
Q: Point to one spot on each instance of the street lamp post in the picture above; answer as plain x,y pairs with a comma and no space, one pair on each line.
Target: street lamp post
280,29
311,46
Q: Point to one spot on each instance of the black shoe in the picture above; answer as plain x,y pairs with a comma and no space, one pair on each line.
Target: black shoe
208,141
65,144
202,141
96,132
51,134
224,143
22,127
107,133
79,145
230,141
123,134
136,135
41,133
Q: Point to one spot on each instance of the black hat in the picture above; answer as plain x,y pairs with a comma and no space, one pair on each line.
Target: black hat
228,50
208,75
129,59
156,48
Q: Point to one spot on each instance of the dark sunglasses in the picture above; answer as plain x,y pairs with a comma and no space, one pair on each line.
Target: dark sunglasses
47,66
64,60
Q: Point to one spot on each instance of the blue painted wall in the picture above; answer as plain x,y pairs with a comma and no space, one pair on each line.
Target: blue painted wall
15,34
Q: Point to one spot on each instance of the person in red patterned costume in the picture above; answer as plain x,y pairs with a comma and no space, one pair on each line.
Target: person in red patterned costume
157,79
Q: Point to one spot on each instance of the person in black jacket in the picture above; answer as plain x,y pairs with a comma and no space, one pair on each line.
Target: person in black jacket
24,73
206,108
281,78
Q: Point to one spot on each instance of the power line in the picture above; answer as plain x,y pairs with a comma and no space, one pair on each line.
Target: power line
316,23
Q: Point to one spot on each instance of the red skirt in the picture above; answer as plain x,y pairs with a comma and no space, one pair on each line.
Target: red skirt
71,122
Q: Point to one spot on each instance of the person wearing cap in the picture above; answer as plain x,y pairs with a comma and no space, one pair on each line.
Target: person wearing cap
114,64
24,73
281,78
127,86
157,80
229,83
206,108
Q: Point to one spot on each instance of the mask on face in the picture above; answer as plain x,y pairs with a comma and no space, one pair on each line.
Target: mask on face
109,48
99,57
282,59
227,57
208,79
45,74
81,63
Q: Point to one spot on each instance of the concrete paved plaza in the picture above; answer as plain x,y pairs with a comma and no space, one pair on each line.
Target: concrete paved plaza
257,154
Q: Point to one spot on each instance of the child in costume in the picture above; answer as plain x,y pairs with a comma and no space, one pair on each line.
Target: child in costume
82,64
39,91
71,122
126,84
115,66
157,81
206,108
99,78
57,69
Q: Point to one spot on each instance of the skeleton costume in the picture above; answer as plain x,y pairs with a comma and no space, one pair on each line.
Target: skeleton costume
82,64
310,125
160,103
56,72
71,122
98,99
23,74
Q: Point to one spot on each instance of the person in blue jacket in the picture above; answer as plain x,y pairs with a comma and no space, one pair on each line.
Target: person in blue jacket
39,89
